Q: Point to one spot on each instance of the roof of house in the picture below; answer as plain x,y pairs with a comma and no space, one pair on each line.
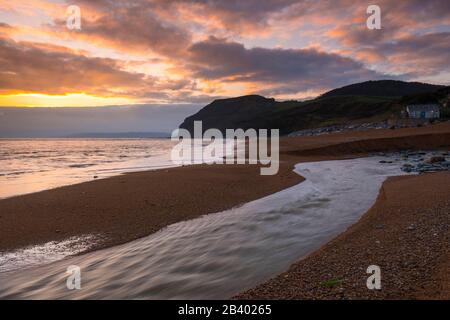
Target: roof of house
423,107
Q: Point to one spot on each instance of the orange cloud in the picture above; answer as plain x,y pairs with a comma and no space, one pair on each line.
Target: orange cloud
164,50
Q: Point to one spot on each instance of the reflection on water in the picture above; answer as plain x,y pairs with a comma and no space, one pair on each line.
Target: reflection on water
221,254
31,165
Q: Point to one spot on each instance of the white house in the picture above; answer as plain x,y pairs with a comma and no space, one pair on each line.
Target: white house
423,111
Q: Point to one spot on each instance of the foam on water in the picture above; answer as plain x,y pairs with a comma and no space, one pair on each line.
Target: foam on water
218,255
45,253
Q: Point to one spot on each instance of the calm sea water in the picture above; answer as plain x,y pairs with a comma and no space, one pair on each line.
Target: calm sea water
33,165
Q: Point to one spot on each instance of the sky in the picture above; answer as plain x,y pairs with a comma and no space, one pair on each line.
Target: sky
193,51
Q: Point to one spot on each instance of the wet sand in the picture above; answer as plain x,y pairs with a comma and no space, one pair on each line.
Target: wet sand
131,206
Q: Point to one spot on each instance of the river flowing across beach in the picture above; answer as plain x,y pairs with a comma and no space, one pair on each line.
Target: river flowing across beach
217,255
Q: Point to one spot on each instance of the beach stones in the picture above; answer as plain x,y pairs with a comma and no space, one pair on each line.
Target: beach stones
422,162
339,128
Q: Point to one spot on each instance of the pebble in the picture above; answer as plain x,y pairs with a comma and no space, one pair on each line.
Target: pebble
339,128
420,165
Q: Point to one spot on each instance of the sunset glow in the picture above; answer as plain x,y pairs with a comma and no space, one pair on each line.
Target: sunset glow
69,100
158,51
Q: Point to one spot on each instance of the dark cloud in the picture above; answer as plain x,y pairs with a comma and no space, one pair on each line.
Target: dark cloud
160,25
237,15
288,70
419,55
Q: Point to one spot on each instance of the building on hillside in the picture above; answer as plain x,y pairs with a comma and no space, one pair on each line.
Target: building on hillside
423,111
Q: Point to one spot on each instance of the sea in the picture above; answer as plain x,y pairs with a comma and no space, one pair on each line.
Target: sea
33,165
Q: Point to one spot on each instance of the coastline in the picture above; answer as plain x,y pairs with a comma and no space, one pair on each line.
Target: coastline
127,207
